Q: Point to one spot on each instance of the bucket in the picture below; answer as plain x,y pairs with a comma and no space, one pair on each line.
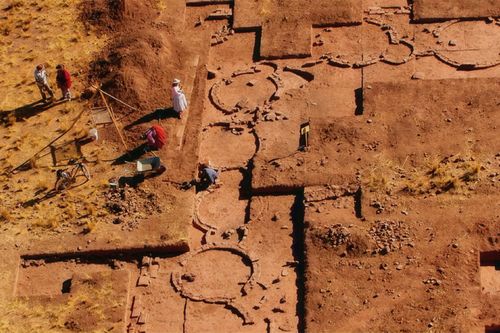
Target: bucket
93,134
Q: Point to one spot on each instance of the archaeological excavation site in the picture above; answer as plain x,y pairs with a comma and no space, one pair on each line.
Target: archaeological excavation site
249,166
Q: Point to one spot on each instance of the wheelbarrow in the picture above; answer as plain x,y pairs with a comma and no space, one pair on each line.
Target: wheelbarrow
150,165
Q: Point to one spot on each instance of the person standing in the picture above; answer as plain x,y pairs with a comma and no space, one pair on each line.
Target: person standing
63,79
178,98
42,82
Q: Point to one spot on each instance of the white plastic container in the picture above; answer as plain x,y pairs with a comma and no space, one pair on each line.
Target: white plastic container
93,134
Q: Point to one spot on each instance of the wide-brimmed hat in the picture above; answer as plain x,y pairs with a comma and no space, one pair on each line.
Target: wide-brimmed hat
176,81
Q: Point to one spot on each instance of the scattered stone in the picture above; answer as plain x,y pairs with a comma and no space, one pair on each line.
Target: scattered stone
154,270
390,235
189,277
378,206
242,232
211,74
334,235
228,233
146,261
432,281
199,22
452,42
143,281
136,308
220,14
115,264
418,76
263,285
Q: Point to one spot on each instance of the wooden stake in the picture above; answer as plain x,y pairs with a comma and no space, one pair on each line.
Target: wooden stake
111,114
116,99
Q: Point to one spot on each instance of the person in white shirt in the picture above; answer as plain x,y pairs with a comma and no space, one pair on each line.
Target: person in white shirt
178,98
42,82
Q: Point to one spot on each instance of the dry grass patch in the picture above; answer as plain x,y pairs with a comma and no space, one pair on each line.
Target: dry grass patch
449,174
5,215
454,174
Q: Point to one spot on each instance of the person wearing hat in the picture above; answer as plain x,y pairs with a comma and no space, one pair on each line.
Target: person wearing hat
63,80
178,98
42,82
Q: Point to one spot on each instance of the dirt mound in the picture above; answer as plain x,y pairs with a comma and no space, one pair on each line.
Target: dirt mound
344,240
142,58
131,205
135,68
334,235
116,15
104,14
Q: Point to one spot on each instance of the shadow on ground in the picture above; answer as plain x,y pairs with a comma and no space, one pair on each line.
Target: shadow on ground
158,114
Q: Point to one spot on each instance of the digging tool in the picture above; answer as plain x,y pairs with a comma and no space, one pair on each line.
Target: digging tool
115,122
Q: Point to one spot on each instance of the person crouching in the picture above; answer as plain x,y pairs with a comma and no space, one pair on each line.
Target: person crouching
156,138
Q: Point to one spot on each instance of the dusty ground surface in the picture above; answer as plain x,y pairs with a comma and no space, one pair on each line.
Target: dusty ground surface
385,219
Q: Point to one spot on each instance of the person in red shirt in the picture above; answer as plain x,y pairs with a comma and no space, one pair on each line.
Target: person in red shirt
156,137
63,79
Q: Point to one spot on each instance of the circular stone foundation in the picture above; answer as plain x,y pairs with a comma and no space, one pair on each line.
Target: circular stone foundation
216,273
246,91
222,209
227,147
470,42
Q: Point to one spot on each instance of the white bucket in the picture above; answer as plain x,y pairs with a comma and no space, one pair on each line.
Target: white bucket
93,134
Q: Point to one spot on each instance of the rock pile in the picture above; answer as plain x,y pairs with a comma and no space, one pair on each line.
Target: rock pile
334,235
220,36
129,205
390,236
